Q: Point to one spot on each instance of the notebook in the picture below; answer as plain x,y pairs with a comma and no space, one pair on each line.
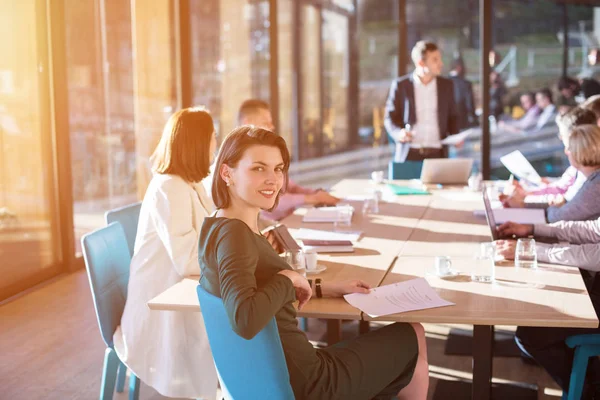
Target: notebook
328,246
283,237
405,190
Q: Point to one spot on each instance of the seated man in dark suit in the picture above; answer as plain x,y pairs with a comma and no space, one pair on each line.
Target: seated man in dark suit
420,110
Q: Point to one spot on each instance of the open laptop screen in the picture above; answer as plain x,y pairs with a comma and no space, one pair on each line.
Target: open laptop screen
489,212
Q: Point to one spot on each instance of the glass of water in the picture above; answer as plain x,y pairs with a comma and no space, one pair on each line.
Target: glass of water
483,263
525,254
344,216
296,260
371,205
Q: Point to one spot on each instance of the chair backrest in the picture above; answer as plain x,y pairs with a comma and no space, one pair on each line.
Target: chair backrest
405,170
107,262
248,369
128,216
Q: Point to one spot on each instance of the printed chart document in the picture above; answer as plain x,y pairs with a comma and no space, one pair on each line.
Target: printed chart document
517,164
399,297
458,138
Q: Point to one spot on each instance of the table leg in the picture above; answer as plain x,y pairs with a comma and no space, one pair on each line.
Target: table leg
363,327
483,339
334,331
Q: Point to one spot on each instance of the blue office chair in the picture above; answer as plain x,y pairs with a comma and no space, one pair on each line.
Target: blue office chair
107,262
585,346
248,369
128,216
405,170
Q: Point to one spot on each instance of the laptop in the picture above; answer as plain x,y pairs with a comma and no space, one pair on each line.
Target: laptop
446,170
489,213
499,216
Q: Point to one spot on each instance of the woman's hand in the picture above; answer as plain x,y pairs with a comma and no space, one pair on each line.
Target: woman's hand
506,248
508,229
303,290
557,200
321,197
516,199
338,289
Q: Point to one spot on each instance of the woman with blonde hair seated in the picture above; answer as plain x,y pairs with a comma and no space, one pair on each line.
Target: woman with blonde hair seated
239,266
582,147
167,350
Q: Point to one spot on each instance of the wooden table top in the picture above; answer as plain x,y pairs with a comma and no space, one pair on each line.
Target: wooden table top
551,296
400,243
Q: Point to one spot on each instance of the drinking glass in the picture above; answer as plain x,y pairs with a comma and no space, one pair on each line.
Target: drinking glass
377,177
371,205
525,254
483,263
344,216
295,259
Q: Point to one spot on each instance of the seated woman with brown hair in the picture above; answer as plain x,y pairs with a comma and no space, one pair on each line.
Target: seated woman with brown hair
239,266
156,345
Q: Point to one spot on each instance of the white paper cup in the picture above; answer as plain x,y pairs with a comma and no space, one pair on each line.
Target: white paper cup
311,260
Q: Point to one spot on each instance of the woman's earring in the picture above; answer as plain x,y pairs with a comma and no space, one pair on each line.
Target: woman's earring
228,184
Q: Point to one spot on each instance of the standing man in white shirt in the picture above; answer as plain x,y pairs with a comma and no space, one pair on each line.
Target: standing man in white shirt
420,110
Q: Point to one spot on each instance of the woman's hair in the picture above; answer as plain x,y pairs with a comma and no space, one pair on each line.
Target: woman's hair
584,145
576,117
184,147
232,150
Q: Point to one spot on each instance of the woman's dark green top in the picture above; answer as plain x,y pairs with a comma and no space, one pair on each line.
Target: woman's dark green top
242,268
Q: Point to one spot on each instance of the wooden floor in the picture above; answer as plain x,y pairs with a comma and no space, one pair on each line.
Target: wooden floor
50,348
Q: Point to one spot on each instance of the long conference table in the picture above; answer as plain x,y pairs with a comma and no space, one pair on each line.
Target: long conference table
400,242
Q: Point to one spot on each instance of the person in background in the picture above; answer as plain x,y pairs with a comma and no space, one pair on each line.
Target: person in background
593,104
547,345
568,88
463,96
157,346
497,93
425,101
590,86
543,99
255,284
529,120
256,112
582,147
565,188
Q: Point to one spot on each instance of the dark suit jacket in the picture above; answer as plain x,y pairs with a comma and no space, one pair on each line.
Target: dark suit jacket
400,106
465,105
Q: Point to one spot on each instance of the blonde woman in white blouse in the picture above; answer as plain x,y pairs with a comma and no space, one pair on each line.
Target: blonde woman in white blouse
168,350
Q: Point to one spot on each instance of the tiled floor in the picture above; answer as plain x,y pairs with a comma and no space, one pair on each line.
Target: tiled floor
50,348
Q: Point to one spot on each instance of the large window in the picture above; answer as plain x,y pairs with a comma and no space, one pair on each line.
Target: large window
29,236
230,56
119,99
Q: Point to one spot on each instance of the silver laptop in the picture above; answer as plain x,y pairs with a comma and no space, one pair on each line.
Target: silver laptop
489,213
446,170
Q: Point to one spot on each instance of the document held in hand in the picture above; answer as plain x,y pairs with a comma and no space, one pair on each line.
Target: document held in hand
412,295
518,165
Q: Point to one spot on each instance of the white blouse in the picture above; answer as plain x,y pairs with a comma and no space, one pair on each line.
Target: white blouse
167,350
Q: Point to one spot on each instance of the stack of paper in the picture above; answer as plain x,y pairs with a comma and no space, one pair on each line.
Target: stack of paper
316,234
400,297
326,214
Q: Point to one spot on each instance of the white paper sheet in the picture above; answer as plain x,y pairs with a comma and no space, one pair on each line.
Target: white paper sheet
324,214
411,295
458,138
315,234
520,215
516,163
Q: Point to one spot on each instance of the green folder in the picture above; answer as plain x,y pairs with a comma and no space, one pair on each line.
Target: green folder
405,190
